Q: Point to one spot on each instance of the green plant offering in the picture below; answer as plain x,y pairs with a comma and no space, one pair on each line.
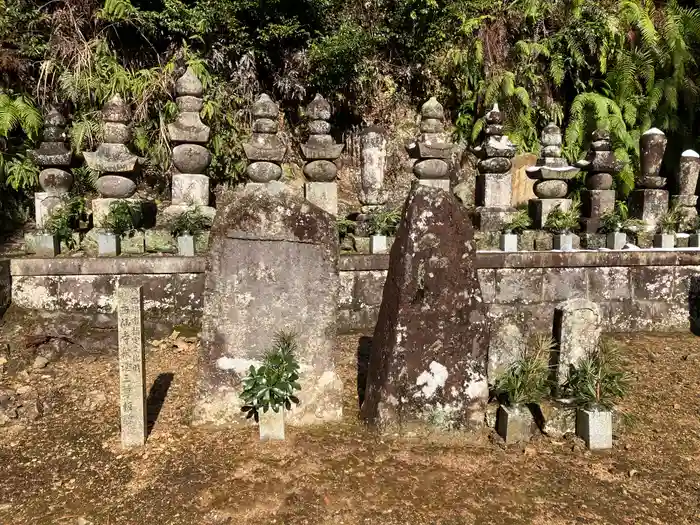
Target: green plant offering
563,221
619,220
670,221
385,222
190,222
272,385
527,379
63,221
597,381
121,218
518,223
344,226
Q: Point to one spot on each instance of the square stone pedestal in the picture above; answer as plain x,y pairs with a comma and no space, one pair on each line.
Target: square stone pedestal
323,194
43,244
44,204
494,190
100,210
190,189
443,184
540,209
493,219
595,204
649,206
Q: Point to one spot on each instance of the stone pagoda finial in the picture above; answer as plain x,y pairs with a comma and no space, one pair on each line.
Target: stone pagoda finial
113,159
265,151
686,183
319,151
432,148
190,185
494,182
649,201
551,173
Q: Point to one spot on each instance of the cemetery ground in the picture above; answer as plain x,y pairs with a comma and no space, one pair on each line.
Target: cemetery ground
66,466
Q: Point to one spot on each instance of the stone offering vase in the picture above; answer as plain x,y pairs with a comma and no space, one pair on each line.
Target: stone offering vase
185,245
514,423
509,242
594,426
271,425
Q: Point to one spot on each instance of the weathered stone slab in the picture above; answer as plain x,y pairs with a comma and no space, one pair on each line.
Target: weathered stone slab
429,351
577,327
272,266
132,368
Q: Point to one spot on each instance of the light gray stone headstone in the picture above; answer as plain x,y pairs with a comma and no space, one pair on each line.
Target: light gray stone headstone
578,323
132,369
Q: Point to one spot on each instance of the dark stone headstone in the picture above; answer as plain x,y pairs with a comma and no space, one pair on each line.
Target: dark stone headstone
272,266
429,350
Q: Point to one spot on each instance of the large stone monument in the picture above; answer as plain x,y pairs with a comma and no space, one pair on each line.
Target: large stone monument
649,201
494,184
54,158
685,185
272,266
552,174
373,164
429,351
320,151
432,149
265,151
577,328
190,184
112,160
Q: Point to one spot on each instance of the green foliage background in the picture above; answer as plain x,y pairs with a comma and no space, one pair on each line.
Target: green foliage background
623,64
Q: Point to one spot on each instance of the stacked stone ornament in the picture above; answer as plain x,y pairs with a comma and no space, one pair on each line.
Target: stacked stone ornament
685,185
113,159
600,166
432,149
54,158
494,182
551,174
190,185
320,151
649,201
265,151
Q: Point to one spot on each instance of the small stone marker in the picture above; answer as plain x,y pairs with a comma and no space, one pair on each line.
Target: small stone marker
132,370
577,331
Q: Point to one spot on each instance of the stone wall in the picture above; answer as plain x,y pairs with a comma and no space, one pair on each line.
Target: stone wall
5,285
637,290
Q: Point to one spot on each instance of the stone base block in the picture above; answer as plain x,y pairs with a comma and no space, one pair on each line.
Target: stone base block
543,241
644,239
694,241
271,425
378,244
108,245
323,194
185,245
487,241
558,419
563,242
493,219
509,242
190,189
682,240
595,428
595,204
649,206
540,209
590,224
616,240
665,241
593,241
526,240
443,184
494,190
170,213
44,204
45,244
514,424
100,210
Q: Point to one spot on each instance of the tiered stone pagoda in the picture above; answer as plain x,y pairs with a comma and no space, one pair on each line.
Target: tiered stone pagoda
686,183
54,158
494,184
432,149
551,174
649,201
372,196
190,184
113,159
600,166
265,151
320,151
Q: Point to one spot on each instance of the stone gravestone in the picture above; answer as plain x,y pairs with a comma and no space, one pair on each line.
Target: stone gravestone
272,266
429,351
577,327
132,369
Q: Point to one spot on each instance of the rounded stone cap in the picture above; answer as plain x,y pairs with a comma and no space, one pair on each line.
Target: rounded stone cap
432,109
116,110
264,107
494,116
318,109
54,118
188,85
653,131
690,153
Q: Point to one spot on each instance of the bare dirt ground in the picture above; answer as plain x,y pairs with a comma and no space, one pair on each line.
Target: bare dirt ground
66,466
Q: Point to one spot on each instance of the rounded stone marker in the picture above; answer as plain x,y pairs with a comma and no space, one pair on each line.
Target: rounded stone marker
432,109
265,125
191,158
116,110
115,187
263,171
431,169
319,127
550,189
320,171
431,125
318,109
599,181
116,133
53,134
189,103
53,180
652,146
189,85
495,165
551,151
264,107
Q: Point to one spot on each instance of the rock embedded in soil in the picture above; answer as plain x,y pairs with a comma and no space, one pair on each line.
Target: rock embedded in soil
429,351
40,362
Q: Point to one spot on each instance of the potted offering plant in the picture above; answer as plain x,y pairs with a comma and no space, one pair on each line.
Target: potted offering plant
667,228
518,223
617,224
186,226
383,225
120,221
563,223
